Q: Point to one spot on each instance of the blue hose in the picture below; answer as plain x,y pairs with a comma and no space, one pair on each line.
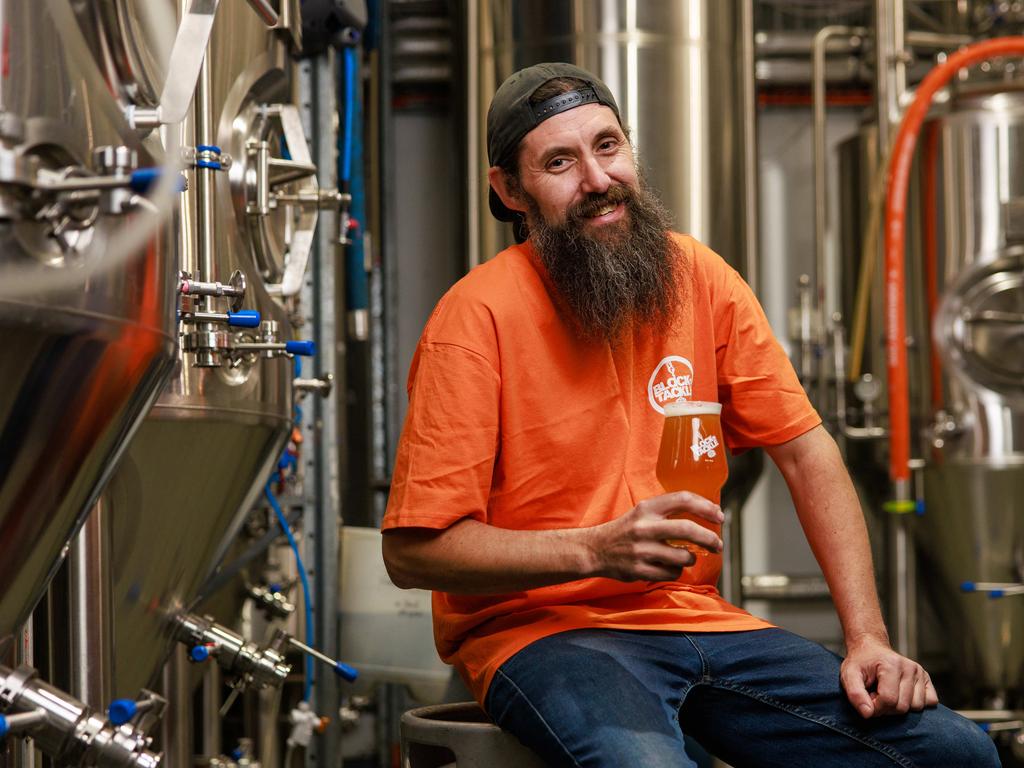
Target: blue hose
283,521
350,98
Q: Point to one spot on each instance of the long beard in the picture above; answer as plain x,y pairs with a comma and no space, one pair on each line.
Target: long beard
621,275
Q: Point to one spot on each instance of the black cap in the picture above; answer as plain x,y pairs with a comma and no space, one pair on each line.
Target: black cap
512,116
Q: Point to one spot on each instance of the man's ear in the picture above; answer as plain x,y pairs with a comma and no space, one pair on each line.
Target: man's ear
498,178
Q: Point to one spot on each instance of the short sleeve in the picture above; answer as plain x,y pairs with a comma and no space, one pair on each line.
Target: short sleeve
446,454
762,400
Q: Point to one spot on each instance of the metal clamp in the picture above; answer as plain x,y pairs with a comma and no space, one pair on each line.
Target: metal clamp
207,156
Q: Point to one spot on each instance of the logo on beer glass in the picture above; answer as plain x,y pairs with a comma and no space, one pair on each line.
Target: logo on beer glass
702,445
671,382
691,457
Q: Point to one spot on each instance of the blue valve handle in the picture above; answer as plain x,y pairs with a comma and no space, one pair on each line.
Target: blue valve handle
302,348
144,179
122,711
4,728
245,318
346,672
199,653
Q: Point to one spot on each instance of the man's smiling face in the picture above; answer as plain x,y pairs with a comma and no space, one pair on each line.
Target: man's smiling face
572,165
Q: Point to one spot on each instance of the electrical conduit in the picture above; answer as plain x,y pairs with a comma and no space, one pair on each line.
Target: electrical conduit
895,266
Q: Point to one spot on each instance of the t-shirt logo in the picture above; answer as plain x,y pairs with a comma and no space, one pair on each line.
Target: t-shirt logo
671,381
702,445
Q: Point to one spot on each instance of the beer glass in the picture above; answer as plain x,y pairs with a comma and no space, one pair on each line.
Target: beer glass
692,457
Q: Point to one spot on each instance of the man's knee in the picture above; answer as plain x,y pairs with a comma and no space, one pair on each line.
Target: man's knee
957,742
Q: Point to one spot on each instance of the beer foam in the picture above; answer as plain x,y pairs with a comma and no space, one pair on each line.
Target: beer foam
692,408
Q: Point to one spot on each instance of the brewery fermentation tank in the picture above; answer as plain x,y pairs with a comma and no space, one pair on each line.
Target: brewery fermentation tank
966,365
80,366
202,455
972,533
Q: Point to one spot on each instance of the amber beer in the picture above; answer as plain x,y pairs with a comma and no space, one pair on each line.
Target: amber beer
692,457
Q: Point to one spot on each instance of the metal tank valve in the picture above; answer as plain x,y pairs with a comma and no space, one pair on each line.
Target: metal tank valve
270,599
68,200
321,385
270,347
254,666
68,731
343,670
208,341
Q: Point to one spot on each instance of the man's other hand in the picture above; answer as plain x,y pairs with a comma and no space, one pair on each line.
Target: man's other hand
635,547
878,681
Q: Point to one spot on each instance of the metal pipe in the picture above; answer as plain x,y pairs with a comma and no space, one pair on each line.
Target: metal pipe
92,620
890,65
203,130
780,586
268,744
471,65
749,94
20,753
785,44
319,655
211,711
265,11
936,40
821,295
902,584
176,726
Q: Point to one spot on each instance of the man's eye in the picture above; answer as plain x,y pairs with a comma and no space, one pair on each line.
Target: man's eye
607,144
558,162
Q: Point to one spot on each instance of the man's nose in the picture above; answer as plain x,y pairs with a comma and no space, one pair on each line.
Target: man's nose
594,177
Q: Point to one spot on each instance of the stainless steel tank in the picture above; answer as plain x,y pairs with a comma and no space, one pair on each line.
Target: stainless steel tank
682,75
968,417
973,530
201,457
78,368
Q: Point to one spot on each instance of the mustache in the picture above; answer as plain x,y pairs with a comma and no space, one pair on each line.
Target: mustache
594,202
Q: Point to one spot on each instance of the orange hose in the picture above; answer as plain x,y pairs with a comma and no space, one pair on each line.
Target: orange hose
929,161
895,221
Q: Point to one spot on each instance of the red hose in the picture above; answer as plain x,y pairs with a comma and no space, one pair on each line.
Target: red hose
895,215
930,246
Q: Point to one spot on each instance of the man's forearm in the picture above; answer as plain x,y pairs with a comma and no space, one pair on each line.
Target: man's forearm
831,516
470,557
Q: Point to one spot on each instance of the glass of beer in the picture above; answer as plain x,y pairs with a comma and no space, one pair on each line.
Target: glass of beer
692,457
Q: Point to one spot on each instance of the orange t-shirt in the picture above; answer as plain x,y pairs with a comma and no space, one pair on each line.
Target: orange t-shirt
514,422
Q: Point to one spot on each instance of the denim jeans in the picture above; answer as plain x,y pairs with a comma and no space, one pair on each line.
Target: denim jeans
599,697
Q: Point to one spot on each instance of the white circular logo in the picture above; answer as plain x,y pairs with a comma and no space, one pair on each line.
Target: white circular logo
671,382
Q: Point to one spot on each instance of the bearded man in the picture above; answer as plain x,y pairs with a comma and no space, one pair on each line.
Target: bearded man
524,492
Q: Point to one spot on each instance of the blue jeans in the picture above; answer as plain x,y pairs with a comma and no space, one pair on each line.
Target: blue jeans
599,697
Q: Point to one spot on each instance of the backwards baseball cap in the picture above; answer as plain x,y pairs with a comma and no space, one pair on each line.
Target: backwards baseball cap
512,116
